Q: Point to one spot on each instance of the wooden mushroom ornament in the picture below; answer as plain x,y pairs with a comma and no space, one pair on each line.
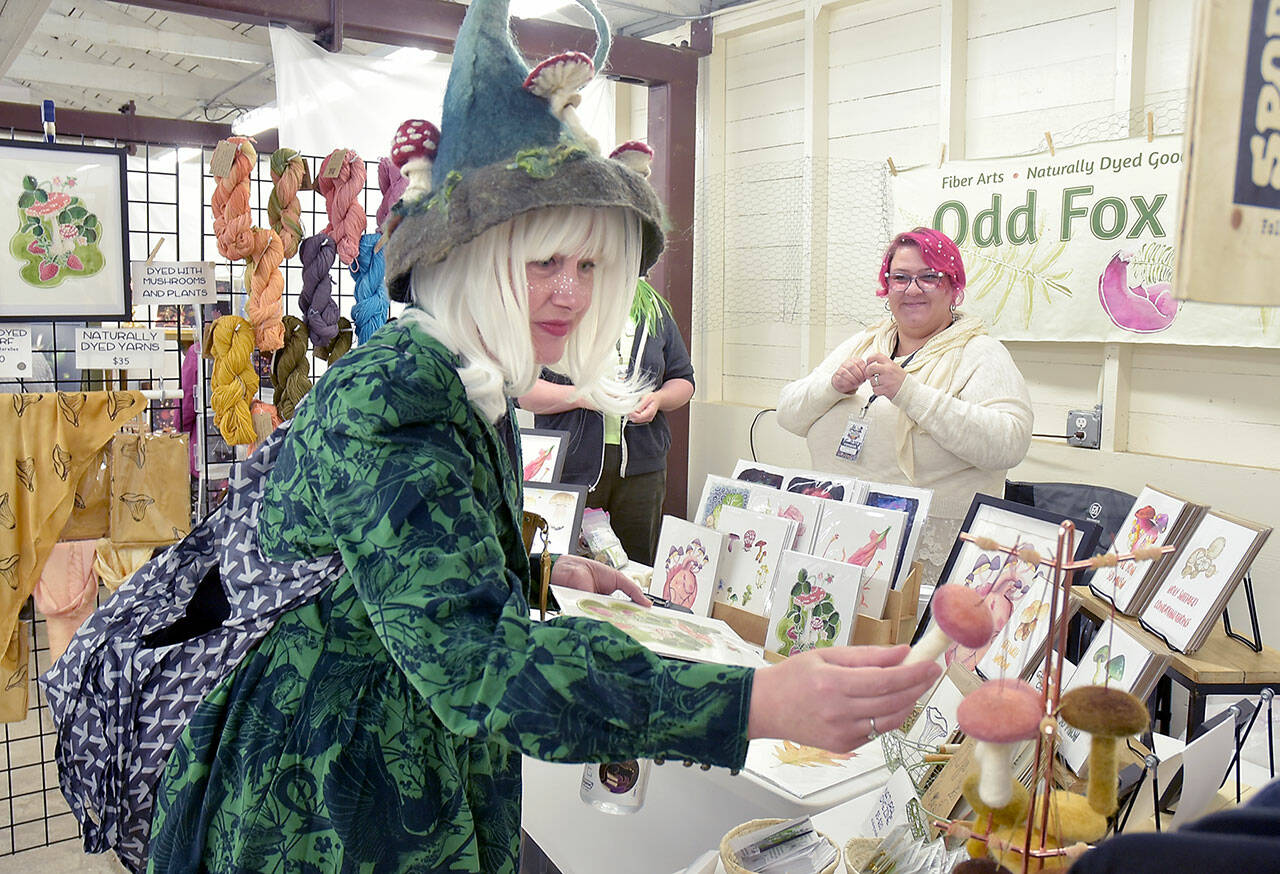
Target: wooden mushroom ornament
999,714
634,155
960,616
1107,714
413,150
558,80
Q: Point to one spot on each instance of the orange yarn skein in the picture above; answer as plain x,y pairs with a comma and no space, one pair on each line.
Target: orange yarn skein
265,284
234,382
232,219
347,219
284,212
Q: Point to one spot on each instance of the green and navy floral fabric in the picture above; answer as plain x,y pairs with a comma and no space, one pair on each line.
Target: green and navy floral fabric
380,728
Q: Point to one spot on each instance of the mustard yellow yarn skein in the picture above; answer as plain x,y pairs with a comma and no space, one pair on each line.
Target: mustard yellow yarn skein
234,381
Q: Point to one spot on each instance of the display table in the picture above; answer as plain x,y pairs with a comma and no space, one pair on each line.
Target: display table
1221,667
686,812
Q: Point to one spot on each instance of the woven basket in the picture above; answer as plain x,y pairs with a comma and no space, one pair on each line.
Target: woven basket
732,867
857,852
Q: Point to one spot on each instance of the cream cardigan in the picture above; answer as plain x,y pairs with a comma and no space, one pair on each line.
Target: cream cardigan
969,431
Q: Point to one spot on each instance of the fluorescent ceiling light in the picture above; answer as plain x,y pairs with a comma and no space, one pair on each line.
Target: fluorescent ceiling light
536,8
255,121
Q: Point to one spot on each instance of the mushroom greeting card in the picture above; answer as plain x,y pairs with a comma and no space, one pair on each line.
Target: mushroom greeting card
752,547
815,604
684,565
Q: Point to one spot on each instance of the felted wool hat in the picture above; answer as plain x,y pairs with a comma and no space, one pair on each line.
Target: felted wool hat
509,142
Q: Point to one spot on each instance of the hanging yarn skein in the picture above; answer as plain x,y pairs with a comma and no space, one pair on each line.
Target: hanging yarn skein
290,370
234,381
347,220
319,309
392,183
265,286
372,306
340,346
284,212
232,218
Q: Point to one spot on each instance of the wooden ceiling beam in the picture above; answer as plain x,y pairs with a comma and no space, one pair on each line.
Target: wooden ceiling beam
18,21
148,39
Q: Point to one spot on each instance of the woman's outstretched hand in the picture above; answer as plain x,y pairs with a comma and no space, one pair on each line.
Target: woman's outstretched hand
585,575
826,698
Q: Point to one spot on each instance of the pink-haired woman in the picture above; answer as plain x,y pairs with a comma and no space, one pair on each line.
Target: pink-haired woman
923,398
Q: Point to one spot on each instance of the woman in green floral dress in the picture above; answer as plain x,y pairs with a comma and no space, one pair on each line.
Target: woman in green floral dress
380,728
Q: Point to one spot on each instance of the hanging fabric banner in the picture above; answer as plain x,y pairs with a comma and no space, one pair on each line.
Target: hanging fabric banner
1075,246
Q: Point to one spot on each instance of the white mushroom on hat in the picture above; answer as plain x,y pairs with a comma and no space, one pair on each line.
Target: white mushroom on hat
634,155
558,79
413,150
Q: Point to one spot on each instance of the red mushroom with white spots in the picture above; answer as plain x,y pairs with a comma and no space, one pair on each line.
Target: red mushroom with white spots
634,155
998,715
558,79
47,212
413,150
959,615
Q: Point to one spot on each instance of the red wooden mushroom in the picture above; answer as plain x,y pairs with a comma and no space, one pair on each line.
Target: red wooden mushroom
959,615
558,79
413,150
999,714
635,155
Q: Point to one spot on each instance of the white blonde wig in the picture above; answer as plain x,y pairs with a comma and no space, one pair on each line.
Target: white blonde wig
476,303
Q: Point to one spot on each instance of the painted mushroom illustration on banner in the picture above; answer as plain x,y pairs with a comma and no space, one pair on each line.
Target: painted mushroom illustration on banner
57,236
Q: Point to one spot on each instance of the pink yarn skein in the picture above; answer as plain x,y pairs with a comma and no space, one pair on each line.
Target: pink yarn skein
342,201
392,183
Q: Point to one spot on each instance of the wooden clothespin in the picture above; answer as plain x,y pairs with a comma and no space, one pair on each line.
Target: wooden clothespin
893,171
943,156
1048,138
1151,125
155,250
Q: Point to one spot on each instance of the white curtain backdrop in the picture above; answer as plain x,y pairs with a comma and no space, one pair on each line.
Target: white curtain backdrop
329,101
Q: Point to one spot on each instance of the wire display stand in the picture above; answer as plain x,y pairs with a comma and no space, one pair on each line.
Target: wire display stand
168,189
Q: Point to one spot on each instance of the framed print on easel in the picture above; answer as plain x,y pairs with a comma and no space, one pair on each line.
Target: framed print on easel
64,233
561,505
542,454
1003,580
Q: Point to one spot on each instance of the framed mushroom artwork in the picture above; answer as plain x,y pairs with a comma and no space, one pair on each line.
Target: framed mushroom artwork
64,233
561,505
542,454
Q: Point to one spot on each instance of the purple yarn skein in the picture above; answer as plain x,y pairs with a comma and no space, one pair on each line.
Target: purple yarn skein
319,309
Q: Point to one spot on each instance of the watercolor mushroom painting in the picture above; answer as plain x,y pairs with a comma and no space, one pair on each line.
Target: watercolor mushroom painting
57,237
812,620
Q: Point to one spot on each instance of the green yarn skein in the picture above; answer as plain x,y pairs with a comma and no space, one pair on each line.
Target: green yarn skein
290,371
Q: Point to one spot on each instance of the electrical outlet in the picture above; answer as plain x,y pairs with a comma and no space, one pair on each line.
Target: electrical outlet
1084,428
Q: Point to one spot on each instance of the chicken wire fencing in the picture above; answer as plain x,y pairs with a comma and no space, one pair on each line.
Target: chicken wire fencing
168,191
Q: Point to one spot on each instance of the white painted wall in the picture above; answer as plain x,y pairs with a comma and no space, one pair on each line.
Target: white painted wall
987,78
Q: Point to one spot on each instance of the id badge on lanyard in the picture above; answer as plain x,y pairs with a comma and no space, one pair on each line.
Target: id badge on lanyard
854,437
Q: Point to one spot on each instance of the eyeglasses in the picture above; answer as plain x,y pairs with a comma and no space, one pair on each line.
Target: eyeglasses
924,281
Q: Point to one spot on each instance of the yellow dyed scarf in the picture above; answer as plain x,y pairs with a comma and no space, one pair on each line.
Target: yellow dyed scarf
47,442
935,365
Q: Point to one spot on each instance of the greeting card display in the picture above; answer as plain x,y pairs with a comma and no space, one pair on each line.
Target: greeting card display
669,633
720,492
867,537
815,604
759,472
1202,578
825,485
1006,581
936,723
1156,519
684,565
753,544
804,510
542,454
1117,659
1018,648
912,501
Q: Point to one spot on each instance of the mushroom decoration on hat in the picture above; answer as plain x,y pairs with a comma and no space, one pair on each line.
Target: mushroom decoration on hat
510,142
999,714
959,615
559,79
413,151
1106,714
634,154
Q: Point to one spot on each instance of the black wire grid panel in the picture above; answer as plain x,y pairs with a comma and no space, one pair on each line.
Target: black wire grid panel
168,196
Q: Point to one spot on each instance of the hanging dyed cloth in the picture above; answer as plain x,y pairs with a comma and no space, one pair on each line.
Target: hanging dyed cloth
67,592
46,443
150,489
